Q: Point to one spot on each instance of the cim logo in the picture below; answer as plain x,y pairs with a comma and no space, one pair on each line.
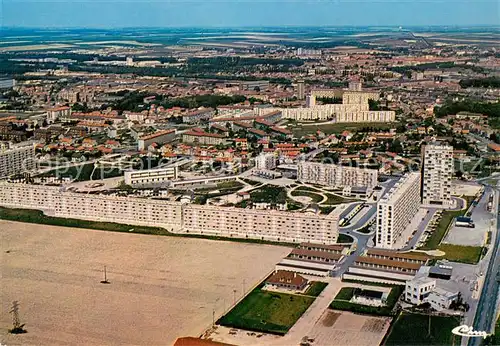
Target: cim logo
469,331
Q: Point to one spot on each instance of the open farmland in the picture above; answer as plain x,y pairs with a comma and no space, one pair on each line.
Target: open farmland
161,287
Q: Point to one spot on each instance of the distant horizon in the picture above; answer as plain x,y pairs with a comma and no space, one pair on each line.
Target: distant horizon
403,27
142,14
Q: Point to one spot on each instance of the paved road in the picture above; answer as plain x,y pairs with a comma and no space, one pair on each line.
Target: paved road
486,312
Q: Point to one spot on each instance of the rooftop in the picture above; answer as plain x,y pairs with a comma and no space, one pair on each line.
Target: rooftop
203,134
400,255
403,184
288,277
157,134
388,263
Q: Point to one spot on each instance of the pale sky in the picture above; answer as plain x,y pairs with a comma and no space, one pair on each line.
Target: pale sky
240,13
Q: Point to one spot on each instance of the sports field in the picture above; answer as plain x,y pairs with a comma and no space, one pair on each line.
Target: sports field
161,287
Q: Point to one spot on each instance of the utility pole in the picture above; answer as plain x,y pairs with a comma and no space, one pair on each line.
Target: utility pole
17,327
429,331
15,315
234,296
105,281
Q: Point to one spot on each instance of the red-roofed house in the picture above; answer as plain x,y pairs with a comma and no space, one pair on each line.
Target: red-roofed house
287,280
241,143
159,137
203,138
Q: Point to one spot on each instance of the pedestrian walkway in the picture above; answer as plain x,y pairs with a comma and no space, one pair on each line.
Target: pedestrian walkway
307,321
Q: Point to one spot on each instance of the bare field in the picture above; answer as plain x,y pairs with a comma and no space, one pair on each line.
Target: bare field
346,328
35,47
161,287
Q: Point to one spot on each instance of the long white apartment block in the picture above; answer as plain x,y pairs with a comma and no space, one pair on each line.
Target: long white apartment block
354,108
55,201
336,175
437,172
127,210
280,226
348,96
153,176
357,97
16,158
339,113
396,209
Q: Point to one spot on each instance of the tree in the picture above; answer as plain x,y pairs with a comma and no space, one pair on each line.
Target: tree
396,147
82,108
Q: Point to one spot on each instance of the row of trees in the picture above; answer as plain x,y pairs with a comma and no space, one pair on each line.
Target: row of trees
490,82
449,108
134,101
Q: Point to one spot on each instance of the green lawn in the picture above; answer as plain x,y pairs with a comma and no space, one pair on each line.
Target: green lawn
462,254
341,302
302,129
84,172
367,283
293,204
307,188
269,194
344,238
495,338
446,219
315,198
334,199
326,210
36,216
364,230
229,185
413,329
267,312
251,182
345,293
316,288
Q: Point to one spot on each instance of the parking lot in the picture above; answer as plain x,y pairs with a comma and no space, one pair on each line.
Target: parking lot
473,236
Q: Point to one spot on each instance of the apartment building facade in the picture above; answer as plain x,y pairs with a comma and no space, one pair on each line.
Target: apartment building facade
279,226
437,172
205,138
423,289
339,113
335,175
199,115
153,176
53,114
265,161
396,209
383,266
160,137
126,210
16,158
418,289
